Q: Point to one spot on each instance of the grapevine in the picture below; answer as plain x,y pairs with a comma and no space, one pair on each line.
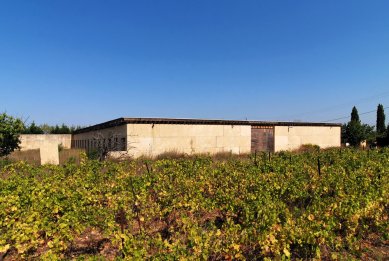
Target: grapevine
290,205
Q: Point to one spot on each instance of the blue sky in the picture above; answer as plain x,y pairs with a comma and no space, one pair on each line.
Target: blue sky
85,62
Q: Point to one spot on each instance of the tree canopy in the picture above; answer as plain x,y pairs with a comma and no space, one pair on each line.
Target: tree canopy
380,126
10,128
356,132
47,129
355,115
33,129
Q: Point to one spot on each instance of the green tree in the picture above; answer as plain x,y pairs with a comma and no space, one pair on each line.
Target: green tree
33,129
46,128
64,129
380,126
383,141
369,133
355,115
386,139
55,130
356,132
344,133
10,128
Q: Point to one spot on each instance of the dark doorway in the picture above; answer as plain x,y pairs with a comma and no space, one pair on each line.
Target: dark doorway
262,138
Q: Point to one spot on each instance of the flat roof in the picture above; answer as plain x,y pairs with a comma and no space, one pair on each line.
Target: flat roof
123,121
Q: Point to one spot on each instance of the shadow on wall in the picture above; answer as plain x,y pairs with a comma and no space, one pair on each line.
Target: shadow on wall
34,156
66,155
30,156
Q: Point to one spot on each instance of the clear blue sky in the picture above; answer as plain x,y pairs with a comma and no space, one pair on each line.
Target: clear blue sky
85,62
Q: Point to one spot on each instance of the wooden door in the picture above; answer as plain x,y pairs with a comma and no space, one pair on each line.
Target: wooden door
262,138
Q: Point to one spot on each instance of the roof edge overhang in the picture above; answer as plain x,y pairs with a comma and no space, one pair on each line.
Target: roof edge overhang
123,121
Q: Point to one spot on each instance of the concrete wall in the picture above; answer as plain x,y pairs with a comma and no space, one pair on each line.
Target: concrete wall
292,137
47,144
34,141
89,140
155,139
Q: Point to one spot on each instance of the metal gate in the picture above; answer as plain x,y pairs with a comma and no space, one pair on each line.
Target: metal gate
262,138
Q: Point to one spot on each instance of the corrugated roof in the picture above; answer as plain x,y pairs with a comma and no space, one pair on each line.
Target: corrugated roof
122,121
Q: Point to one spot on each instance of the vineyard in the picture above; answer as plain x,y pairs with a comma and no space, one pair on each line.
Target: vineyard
331,204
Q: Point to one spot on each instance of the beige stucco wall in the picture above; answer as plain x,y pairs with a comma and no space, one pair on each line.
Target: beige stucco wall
47,144
34,141
155,139
49,153
292,137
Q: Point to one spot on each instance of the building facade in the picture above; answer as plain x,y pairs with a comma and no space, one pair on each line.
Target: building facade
154,136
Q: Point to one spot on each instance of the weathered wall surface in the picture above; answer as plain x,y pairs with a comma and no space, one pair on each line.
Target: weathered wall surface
155,139
34,141
30,156
292,137
49,153
89,140
47,144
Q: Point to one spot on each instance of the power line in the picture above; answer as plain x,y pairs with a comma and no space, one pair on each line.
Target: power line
340,105
346,117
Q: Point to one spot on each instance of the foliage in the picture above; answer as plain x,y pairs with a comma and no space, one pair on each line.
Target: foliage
381,128
10,128
387,134
111,143
63,129
308,148
343,133
47,129
354,114
33,129
382,132
355,132
260,207
369,134
384,141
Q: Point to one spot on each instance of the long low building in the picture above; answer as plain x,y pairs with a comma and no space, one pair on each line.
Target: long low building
154,136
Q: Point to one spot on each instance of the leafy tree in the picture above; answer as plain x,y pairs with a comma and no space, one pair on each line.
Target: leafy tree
10,128
381,128
344,133
369,133
387,136
46,128
356,132
55,130
33,129
63,129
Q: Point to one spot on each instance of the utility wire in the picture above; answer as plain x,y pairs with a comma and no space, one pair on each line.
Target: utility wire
340,105
358,101
346,117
